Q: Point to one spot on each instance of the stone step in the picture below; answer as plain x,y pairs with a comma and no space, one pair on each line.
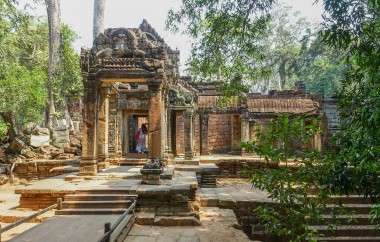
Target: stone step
86,211
348,231
353,199
102,191
98,197
96,204
350,239
357,208
355,219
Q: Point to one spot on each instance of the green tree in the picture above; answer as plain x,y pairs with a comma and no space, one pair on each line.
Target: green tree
320,66
223,31
354,27
21,86
286,31
293,210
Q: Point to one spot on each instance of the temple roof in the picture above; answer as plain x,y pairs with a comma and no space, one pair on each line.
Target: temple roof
293,106
212,102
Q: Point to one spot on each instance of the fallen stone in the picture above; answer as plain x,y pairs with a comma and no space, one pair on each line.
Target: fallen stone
15,146
29,127
176,221
41,131
74,142
70,150
3,179
3,170
39,140
56,152
29,154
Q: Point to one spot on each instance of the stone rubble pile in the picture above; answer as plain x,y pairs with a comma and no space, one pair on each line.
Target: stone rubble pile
38,144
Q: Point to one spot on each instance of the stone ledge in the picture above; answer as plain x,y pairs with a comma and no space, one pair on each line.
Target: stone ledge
176,221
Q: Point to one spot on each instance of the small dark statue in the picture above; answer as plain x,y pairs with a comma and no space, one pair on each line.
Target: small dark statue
153,164
151,172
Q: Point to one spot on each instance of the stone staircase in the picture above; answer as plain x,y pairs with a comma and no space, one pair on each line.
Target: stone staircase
355,227
98,201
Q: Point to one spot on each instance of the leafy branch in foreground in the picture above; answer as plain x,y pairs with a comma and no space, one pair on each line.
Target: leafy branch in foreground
289,184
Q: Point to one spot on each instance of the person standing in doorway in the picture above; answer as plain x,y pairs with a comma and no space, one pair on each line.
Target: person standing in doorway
141,139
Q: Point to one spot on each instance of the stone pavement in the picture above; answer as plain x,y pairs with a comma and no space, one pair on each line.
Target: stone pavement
230,191
214,219
218,225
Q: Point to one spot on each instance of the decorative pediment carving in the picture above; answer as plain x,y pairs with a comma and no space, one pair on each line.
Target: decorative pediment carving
177,96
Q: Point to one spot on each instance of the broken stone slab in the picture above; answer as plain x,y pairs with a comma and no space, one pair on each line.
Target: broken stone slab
39,140
176,221
15,146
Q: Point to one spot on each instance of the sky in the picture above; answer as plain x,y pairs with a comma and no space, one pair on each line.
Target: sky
78,14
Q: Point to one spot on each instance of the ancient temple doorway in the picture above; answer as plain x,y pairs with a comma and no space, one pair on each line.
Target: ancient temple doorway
132,122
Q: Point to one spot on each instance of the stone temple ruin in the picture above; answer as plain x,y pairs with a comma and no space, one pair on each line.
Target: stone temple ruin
131,77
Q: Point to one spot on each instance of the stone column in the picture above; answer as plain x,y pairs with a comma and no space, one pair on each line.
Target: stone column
244,126
204,133
188,135
103,117
155,142
112,127
168,146
88,163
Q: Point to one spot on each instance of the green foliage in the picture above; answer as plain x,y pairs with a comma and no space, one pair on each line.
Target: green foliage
69,73
293,209
24,50
22,91
223,31
3,128
283,138
321,67
353,27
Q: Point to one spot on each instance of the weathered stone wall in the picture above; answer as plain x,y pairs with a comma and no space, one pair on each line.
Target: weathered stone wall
236,131
331,110
180,139
38,200
219,133
38,170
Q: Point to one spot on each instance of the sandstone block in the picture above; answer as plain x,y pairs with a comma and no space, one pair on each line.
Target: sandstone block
39,140
70,150
41,131
15,146
74,142
143,218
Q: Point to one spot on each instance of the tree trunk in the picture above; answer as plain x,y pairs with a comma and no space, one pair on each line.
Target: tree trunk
282,74
54,19
99,6
9,119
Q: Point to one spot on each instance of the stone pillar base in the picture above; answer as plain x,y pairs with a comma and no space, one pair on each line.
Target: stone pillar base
103,163
151,179
88,168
